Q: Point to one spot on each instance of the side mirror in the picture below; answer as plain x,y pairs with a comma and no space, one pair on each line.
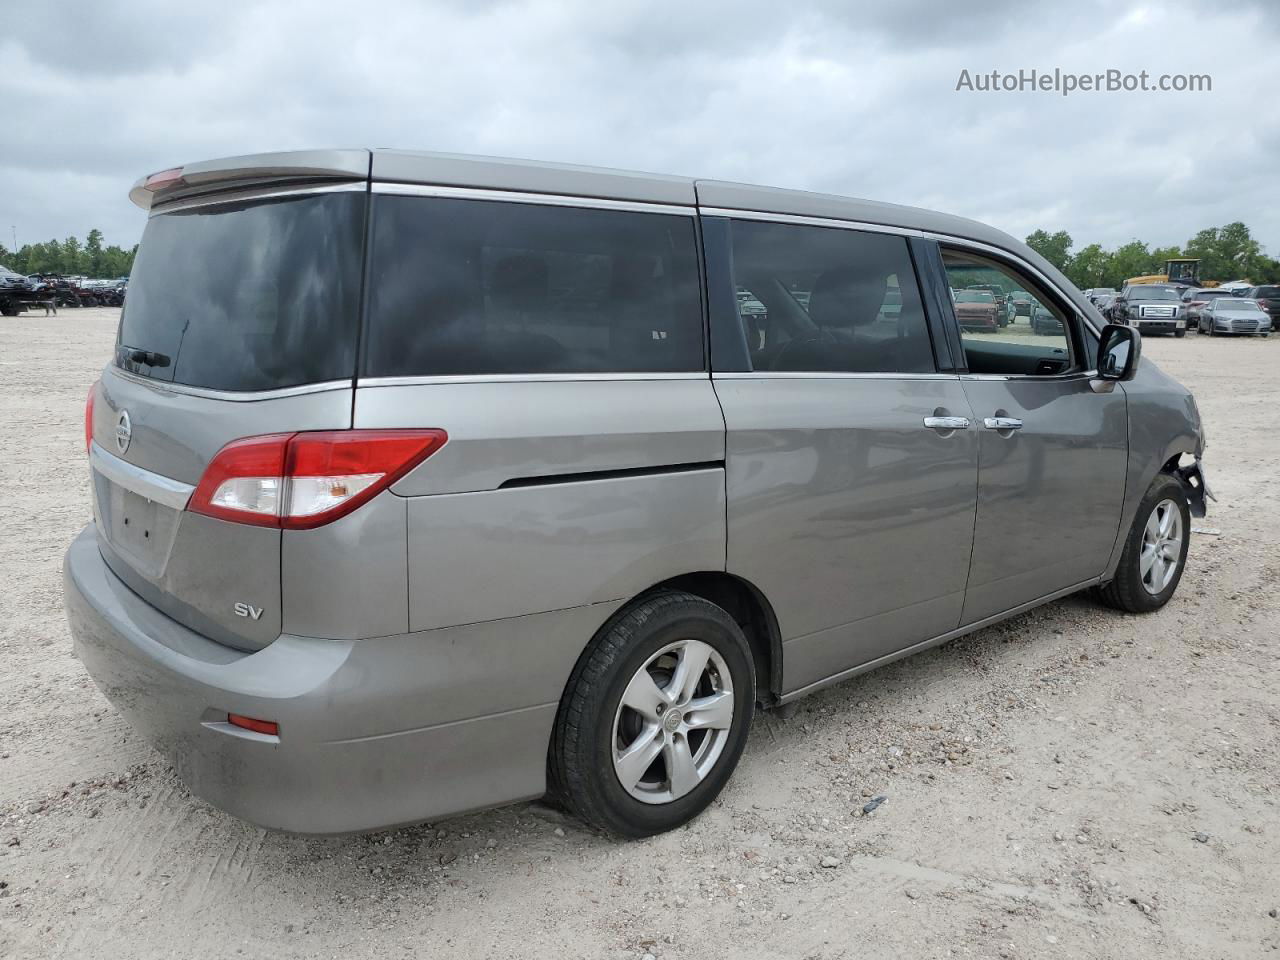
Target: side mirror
1119,351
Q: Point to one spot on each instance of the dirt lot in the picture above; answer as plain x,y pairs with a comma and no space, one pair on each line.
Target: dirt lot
1073,783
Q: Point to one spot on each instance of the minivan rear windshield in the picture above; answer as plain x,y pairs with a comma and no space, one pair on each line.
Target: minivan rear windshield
254,295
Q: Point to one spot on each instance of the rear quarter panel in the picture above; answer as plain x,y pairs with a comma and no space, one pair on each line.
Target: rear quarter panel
479,550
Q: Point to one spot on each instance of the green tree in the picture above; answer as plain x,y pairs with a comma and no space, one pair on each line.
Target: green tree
1213,266
68,257
1088,268
1238,248
72,256
1228,253
1054,247
1267,271
1131,260
116,262
93,253
45,258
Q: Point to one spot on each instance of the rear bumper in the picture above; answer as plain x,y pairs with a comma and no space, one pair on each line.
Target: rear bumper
373,733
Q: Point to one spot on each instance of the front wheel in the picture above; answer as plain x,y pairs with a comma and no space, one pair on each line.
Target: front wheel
1155,552
655,716
1179,334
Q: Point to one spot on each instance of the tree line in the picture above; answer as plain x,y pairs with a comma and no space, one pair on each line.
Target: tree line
71,258
1226,253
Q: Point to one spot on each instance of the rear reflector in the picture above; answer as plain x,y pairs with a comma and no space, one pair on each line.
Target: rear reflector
165,178
302,480
268,727
88,417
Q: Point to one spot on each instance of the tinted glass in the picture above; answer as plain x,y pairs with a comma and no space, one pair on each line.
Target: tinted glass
486,287
830,300
1153,293
250,296
1267,293
1030,341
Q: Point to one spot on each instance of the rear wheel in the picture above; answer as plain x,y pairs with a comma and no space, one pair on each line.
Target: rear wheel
655,716
1155,551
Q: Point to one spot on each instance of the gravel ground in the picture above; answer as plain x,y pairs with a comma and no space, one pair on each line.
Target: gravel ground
1072,783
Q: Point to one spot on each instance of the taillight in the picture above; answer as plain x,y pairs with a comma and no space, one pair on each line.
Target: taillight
88,417
303,480
165,178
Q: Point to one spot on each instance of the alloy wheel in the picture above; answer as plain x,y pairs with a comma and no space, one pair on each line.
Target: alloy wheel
673,722
1161,546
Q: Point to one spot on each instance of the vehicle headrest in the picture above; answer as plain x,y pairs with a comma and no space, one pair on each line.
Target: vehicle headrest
847,297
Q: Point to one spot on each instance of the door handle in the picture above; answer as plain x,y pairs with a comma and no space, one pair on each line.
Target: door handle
1002,423
947,423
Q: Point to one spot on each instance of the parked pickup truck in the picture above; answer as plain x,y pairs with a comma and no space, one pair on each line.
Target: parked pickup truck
1151,307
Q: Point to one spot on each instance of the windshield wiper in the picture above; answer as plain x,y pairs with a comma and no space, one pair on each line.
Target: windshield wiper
147,357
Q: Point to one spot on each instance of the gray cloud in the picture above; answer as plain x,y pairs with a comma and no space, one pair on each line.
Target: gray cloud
856,99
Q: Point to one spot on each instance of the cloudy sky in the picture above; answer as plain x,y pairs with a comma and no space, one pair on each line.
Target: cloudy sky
843,97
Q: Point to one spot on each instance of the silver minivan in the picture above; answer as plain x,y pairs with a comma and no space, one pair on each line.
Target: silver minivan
426,483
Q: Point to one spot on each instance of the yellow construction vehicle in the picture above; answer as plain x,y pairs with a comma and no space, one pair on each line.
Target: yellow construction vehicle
1185,270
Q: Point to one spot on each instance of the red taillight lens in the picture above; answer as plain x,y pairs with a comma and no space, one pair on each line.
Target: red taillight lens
303,480
244,481
88,417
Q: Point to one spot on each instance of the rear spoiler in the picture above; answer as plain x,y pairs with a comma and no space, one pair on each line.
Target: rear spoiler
256,170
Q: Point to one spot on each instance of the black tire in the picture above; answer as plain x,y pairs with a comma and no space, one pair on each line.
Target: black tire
1127,592
1179,334
581,775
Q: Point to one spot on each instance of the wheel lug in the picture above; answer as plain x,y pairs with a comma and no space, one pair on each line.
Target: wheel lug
662,708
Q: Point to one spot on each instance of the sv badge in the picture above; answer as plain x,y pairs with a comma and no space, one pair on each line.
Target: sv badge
248,610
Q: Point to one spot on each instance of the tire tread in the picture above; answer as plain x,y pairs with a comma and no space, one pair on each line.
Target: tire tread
1125,592
569,782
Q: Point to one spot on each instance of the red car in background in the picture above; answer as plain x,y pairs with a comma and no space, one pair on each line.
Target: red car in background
1194,300
977,310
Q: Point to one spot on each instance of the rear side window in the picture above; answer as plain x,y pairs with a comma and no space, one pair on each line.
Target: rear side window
248,296
825,299
476,287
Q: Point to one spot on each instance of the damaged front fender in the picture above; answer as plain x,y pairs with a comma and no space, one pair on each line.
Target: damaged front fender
1195,486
